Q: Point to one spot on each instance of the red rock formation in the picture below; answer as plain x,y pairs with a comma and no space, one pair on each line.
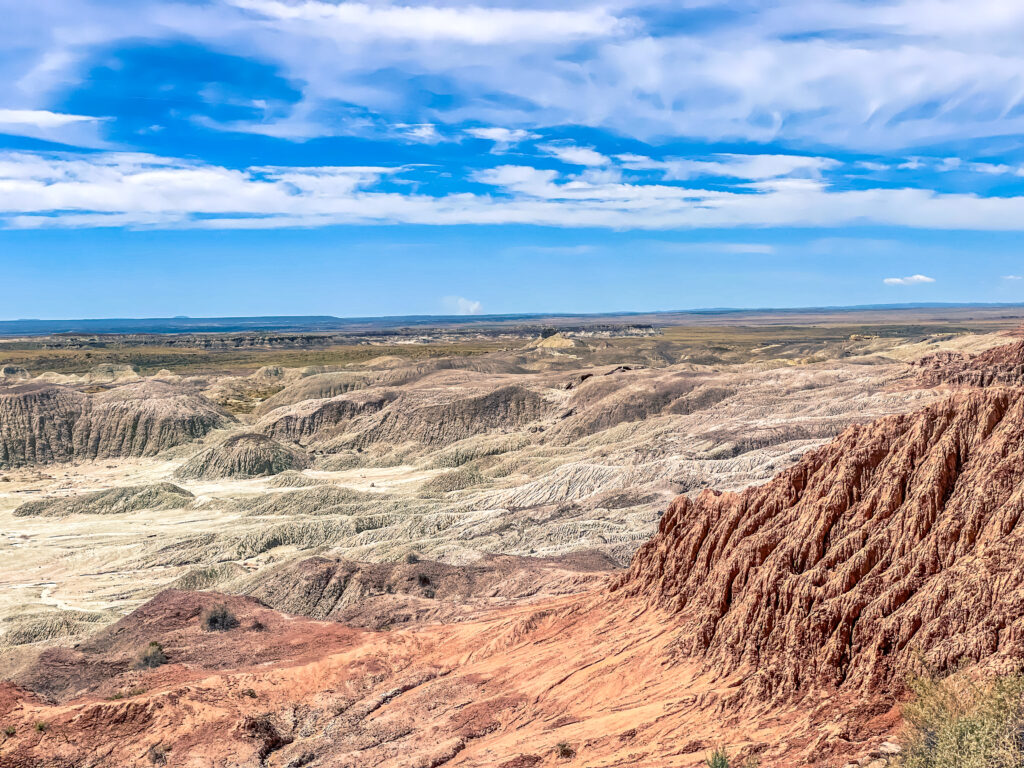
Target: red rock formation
899,539
999,366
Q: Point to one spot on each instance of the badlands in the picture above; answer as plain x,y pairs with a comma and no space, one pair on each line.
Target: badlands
573,550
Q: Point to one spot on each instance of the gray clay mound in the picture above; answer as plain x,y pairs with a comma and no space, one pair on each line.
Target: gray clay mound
111,502
245,455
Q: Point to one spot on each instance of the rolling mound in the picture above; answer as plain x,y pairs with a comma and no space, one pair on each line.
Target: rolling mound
311,417
244,455
378,595
44,423
110,502
319,386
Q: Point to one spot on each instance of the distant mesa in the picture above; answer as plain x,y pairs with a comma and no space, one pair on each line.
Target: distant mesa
245,455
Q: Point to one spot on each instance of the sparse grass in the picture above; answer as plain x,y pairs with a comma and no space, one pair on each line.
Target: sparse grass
959,723
219,619
36,358
152,656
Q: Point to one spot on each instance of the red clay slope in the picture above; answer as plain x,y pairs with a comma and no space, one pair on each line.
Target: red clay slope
781,621
999,366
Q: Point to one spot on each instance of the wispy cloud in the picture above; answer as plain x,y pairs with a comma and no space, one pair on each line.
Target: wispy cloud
469,24
575,155
80,130
910,280
754,167
1013,277
503,138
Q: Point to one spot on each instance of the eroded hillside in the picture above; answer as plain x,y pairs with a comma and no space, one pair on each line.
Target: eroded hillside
781,621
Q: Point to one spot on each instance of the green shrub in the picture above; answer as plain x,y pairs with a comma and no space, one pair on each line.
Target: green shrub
718,759
42,727
219,619
152,656
10,730
957,723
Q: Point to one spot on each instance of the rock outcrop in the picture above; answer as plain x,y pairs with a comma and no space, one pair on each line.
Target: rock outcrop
900,542
44,423
999,366
244,455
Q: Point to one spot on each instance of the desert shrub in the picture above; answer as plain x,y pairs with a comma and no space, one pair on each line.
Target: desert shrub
152,656
565,751
10,730
158,754
411,558
42,727
219,619
957,723
258,626
719,758
126,694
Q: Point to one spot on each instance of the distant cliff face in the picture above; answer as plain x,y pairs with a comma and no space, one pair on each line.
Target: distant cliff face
999,366
44,423
900,540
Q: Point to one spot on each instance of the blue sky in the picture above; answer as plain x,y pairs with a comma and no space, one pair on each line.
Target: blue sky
313,157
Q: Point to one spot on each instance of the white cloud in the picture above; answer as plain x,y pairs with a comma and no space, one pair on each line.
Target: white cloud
458,305
422,133
503,138
1013,277
910,280
574,155
125,189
